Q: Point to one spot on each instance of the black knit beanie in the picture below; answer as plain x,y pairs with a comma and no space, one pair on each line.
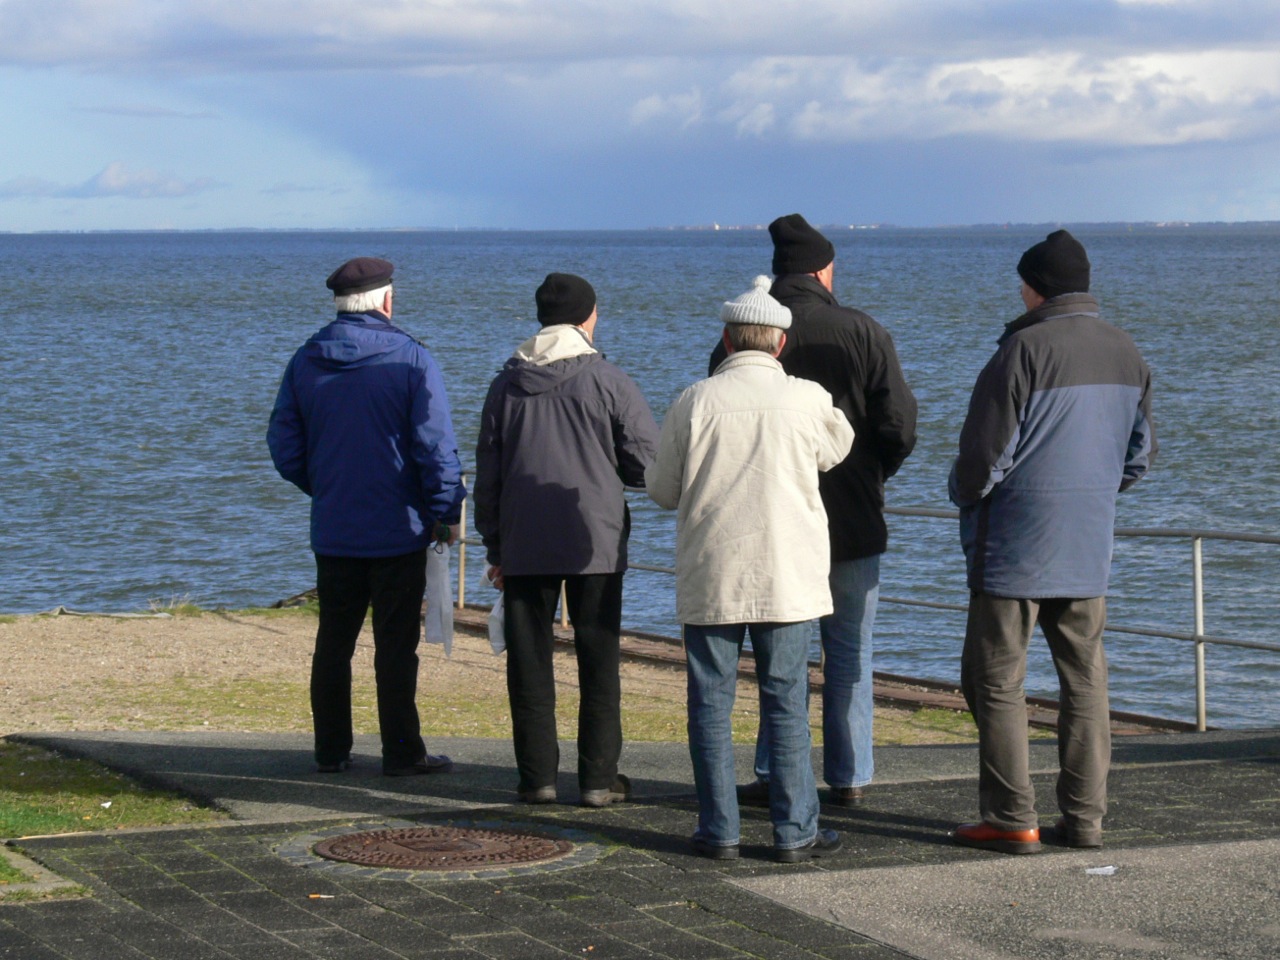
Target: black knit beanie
1056,265
564,298
797,247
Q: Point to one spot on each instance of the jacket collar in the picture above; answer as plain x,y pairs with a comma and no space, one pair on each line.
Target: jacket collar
747,358
794,287
1066,305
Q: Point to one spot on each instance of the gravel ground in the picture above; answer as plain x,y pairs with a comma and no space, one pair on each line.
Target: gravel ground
93,672
248,672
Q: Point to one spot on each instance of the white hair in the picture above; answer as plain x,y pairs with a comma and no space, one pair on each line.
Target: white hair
361,302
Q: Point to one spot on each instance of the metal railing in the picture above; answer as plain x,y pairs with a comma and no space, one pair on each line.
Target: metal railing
1197,635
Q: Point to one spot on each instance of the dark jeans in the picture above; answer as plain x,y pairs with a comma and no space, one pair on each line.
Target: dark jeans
347,586
595,607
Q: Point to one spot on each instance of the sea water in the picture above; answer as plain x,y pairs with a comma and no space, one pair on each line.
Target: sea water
138,372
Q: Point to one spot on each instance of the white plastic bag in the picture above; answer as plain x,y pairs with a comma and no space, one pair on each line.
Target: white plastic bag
437,619
496,614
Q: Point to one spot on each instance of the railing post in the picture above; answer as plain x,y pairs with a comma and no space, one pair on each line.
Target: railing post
1197,580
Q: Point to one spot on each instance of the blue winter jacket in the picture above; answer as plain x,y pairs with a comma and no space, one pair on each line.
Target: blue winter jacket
1058,424
361,424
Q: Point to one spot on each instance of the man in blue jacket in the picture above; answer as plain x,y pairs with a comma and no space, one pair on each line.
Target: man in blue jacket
361,425
1059,423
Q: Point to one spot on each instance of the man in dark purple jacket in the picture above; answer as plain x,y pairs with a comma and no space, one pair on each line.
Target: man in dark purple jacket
562,432
1058,424
361,425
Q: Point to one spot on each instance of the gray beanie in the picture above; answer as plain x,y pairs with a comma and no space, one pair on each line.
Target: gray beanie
757,307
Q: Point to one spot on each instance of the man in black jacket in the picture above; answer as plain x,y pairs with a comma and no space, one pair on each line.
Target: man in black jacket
853,357
562,431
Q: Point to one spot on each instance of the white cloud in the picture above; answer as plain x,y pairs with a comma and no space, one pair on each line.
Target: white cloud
114,180
214,36
1165,98
684,109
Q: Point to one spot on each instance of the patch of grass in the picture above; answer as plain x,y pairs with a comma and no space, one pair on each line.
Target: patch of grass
175,607
9,618
10,874
43,792
309,609
26,896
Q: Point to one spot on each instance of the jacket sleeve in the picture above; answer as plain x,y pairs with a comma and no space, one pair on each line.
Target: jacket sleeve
486,496
891,406
991,428
1142,440
836,438
664,477
718,356
635,433
434,447
287,434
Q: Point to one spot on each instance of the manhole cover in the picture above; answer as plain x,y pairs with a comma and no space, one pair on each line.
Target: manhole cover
442,848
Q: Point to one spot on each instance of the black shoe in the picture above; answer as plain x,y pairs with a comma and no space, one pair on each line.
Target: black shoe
620,791
824,842
845,796
334,767
427,764
712,851
1061,835
538,795
754,794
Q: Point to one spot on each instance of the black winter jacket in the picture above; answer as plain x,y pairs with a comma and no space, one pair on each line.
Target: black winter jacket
853,357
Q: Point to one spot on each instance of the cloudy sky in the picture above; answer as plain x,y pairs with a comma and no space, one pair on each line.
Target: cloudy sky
633,113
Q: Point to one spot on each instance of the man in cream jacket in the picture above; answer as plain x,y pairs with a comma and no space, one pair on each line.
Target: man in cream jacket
739,457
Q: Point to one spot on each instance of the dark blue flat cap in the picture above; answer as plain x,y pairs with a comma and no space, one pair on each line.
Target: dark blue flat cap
359,275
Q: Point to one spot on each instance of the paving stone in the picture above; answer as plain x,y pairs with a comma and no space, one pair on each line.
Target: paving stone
459,925
685,915
756,944
516,946
268,911
337,944
601,910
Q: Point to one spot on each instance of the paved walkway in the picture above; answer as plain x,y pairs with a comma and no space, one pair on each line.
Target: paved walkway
1193,835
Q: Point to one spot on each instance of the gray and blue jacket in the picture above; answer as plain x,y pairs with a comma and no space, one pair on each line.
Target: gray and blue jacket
1058,424
361,424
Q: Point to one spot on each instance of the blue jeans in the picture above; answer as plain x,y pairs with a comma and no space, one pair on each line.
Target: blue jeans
782,672
847,707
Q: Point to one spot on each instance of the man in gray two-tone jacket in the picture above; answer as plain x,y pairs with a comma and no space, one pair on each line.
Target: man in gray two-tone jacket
562,432
1058,424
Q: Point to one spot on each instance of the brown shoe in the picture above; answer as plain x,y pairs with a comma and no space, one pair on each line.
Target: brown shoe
754,794
986,837
845,796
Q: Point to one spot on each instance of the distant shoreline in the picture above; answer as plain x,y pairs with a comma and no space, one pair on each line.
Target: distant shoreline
1094,227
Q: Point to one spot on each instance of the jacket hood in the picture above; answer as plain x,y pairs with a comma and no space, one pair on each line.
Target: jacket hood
550,357
354,339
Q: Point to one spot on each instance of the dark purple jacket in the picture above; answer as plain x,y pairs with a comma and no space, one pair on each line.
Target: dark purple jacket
557,444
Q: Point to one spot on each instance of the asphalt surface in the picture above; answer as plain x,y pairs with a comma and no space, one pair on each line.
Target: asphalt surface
1191,866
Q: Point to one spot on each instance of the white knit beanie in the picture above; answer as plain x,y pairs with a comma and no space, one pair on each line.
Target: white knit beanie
757,307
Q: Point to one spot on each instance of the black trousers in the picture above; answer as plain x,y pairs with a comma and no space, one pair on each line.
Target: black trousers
595,607
347,586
